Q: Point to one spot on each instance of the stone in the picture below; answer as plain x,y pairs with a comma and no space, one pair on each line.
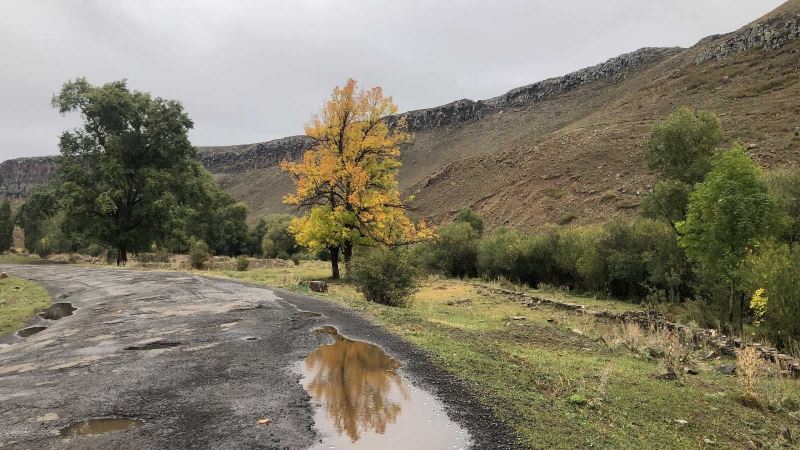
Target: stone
797,132
752,146
727,369
669,376
3,275
318,286
690,371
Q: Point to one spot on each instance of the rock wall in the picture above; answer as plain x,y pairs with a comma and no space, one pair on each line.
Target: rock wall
465,110
240,159
768,34
19,176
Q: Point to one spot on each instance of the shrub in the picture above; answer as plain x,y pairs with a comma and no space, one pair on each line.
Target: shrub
242,263
502,255
637,257
453,251
387,277
466,215
199,254
775,268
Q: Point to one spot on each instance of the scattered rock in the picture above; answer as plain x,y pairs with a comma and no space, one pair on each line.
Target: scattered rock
669,376
690,371
708,441
3,275
727,369
577,331
517,318
318,286
752,146
263,421
797,132
681,421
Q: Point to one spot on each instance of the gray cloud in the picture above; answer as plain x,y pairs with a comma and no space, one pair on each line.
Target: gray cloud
248,71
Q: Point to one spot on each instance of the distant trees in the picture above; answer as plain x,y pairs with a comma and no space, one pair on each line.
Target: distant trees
6,226
275,238
347,181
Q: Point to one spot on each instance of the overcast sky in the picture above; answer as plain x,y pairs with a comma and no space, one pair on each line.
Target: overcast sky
249,71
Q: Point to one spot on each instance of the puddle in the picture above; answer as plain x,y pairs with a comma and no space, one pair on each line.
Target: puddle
57,311
25,332
154,345
362,401
93,427
308,314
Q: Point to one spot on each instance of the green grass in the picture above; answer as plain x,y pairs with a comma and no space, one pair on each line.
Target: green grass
19,301
556,387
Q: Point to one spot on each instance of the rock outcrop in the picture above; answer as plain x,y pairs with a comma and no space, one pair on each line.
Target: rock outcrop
466,110
770,33
19,176
243,158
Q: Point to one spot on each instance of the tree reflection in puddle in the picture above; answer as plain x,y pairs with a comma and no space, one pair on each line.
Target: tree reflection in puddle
360,394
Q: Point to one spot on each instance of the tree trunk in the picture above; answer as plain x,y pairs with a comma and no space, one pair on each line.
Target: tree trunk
347,250
334,262
122,255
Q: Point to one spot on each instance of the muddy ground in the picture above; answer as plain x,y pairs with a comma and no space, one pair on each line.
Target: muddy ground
177,351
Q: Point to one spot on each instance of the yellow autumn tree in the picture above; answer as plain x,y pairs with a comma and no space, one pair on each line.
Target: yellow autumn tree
347,181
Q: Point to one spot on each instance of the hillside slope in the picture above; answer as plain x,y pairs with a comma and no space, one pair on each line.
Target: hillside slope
564,149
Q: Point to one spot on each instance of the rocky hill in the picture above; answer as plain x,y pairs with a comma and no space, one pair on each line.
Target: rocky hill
566,149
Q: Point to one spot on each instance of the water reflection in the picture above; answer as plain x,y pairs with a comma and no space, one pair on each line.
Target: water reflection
356,383
362,401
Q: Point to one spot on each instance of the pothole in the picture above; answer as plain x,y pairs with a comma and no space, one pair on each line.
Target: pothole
25,332
57,311
362,400
154,345
93,427
308,314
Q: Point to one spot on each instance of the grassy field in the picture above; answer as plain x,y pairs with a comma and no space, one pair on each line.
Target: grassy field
562,380
19,301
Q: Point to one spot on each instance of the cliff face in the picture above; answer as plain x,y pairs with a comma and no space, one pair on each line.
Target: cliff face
19,176
769,33
244,158
465,110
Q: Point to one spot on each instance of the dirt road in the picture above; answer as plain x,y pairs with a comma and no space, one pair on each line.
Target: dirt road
190,361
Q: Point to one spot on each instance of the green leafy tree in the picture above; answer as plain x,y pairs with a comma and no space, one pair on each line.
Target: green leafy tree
129,177
6,226
785,183
680,149
668,200
682,146
35,216
729,213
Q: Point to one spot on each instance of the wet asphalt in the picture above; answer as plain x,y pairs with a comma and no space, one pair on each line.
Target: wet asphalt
199,360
